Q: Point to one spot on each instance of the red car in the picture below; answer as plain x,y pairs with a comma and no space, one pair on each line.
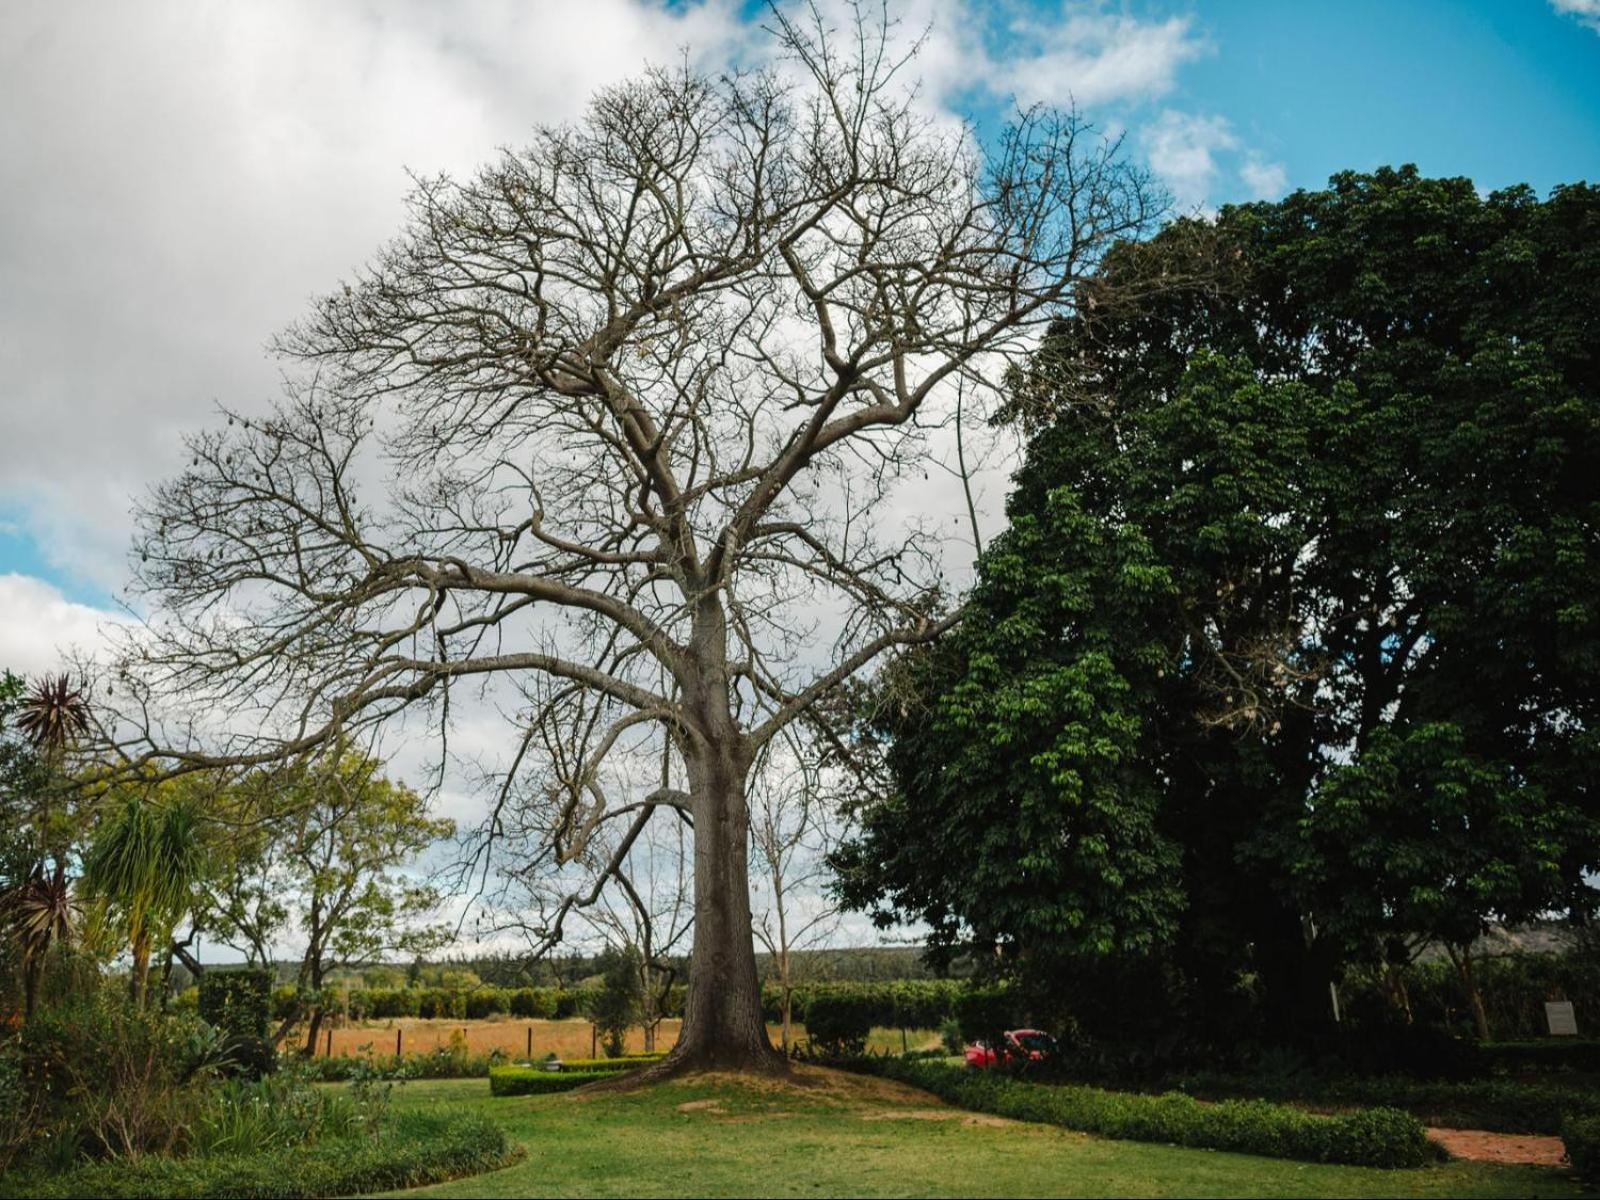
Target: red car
1021,1046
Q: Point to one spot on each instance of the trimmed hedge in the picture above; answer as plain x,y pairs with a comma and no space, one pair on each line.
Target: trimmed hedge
1377,1137
1581,1136
1548,1054
414,1149
1497,1105
537,1081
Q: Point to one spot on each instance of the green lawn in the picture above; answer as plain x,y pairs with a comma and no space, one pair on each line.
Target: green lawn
862,1137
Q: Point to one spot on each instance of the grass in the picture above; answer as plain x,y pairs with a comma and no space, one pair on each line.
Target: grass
850,1135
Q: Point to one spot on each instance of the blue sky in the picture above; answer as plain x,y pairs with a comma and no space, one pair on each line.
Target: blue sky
231,211
1502,91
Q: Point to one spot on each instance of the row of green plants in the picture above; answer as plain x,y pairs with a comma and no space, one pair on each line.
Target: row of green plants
536,1080
1374,1137
413,1149
1498,1105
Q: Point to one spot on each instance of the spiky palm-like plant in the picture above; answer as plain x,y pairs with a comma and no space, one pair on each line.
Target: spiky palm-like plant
143,866
38,909
54,714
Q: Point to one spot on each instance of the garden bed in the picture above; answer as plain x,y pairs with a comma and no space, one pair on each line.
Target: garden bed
414,1148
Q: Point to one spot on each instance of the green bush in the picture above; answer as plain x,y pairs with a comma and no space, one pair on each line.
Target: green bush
414,1149
1581,1136
537,1004
237,1004
1375,1138
536,1081
986,1013
837,1024
1501,1106
103,1077
1547,1054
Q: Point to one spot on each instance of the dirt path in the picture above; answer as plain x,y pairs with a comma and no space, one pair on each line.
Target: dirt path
1478,1145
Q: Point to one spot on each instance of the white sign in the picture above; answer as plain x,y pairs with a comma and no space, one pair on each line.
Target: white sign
1562,1021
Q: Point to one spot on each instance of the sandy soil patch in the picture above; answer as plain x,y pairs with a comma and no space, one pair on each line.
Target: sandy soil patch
1478,1145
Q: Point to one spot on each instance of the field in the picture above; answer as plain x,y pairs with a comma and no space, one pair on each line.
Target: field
849,1135
565,1039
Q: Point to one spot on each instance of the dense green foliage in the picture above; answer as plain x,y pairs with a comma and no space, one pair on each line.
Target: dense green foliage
413,1149
1581,1136
536,1081
1377,1137
618,1003
1290,657
237,1004
838,1024
1500,1105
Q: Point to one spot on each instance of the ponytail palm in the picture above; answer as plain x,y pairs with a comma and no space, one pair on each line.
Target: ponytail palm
143,866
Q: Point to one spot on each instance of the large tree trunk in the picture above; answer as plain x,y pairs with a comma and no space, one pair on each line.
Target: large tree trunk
722,1025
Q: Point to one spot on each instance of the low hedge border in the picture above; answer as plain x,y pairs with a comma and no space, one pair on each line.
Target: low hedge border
1549,1054
536,1081
412,1150
1496,1105
1376,1137
1581,1136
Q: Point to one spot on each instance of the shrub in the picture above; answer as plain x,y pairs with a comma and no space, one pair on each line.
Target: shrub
237,1004
950,1037
1550,1054
107,1078
1390,1047
1501,1106
1581,1136
616,1005
1375,1138
415,1148
485,1002
536,1081
837,1024
537,1004
985,1013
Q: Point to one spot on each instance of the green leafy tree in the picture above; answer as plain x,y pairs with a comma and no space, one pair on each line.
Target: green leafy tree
615,1006
1292,644
348,834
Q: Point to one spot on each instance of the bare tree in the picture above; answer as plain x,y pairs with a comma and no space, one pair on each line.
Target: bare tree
793,827
610,434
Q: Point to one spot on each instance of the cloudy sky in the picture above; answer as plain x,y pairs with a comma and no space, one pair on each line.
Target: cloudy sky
176,179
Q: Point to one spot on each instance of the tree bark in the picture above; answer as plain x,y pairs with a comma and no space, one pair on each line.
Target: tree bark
722,1025
1469,983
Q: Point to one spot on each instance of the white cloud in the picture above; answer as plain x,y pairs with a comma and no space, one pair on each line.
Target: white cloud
1182,149
1266,180
38,625
1094,57
1585,12
177,179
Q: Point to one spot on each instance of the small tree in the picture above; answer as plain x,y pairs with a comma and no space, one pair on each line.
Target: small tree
793,830
142,868
614,1006
349,831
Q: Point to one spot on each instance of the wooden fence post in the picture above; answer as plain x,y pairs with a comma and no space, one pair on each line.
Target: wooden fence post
397,1034
530,1042
594,1041
330,1043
